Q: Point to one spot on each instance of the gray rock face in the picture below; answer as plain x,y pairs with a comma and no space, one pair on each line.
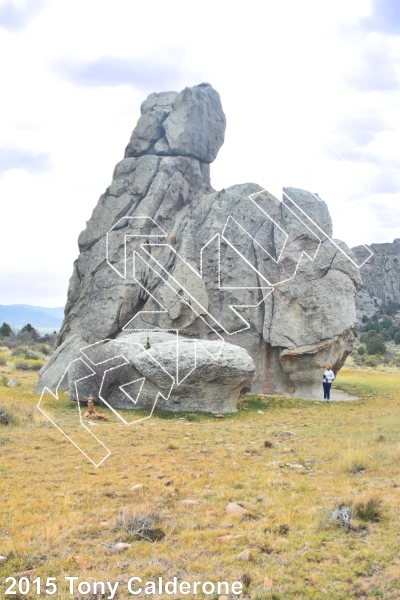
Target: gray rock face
380,276
126,375
164,252
54,373
191,123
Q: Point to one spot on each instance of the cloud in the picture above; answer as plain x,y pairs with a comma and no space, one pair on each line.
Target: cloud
362,129
377,72
386,215
143,74
348,150
385,182
44,287
14,17
18,158
384,17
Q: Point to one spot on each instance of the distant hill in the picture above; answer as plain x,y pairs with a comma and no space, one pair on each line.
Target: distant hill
45,319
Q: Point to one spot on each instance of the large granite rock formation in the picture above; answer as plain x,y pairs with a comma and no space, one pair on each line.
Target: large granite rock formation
165,252
380,276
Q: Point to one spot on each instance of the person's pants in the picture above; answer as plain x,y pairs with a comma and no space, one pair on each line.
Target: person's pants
327,389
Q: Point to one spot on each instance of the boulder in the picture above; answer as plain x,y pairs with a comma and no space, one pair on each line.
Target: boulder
245,555
191,123
54,374
125,375
163,252
13,383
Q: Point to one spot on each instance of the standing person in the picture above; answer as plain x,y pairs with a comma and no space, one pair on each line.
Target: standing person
327,379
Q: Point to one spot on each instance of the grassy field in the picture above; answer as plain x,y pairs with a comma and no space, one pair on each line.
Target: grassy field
55,505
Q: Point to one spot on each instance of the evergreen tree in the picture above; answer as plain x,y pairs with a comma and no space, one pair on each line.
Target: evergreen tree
376,343
5,330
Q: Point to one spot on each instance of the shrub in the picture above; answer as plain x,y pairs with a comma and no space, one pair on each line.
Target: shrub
29,365
10,415
386,322
355,460
3,360
25,354
370,362
4,380
193,418
386,335
20,352
391,308
141,525
369,510
22,364
21,415
45,350
361,350
27,328
373,327
365,319
397,338
35,365
341,515
375,344
355,333
6,417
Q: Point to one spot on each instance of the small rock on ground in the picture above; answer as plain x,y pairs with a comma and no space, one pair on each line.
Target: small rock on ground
235,509
83,562
227,538
138,486
13,383
121,547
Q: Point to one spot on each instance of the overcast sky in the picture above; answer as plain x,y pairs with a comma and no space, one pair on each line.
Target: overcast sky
310,90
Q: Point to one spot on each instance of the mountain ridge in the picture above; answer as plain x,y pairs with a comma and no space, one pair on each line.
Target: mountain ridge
44,318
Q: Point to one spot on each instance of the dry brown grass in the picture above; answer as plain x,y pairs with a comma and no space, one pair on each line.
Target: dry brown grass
53,499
